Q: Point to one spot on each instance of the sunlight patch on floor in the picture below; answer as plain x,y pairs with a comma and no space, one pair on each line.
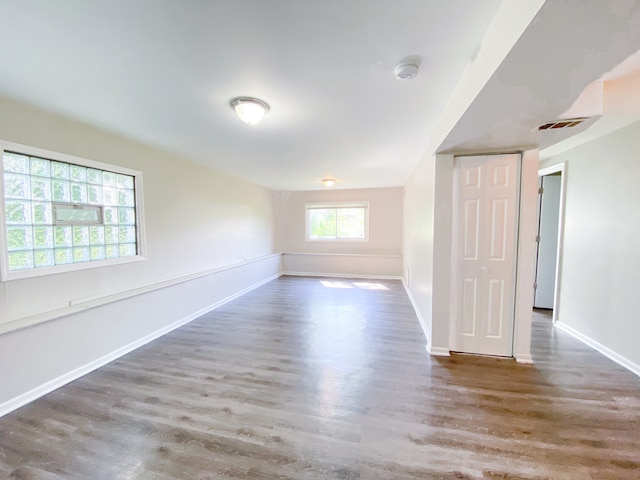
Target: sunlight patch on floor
348,284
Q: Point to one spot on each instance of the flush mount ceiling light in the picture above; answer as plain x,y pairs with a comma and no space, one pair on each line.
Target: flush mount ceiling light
250,110
328,182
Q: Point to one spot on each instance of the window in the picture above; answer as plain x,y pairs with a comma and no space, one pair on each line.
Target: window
64,213
337,222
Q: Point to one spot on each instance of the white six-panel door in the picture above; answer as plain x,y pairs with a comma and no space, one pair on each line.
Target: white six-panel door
486,190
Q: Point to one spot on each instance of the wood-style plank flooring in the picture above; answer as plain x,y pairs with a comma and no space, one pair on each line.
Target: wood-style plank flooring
305,379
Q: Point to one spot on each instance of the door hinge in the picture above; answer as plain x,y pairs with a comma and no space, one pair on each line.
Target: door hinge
540,190
535,285
537,238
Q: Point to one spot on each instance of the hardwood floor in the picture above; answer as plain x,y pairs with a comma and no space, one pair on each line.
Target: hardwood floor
304,378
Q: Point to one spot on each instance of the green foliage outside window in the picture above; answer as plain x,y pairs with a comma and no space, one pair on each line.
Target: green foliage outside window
34,238
337,223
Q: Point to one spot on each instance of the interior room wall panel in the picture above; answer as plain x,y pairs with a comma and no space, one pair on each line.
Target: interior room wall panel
201,227
380,256
600,255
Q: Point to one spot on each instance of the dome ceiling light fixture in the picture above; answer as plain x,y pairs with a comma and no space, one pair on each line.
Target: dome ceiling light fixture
249,109
328,182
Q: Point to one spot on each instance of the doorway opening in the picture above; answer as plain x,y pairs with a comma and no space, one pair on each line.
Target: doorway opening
548,262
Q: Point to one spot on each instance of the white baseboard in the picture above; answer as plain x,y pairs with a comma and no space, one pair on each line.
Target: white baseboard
68,377
342,275
423,324
82,304
435,351
523,358
439,352
607,352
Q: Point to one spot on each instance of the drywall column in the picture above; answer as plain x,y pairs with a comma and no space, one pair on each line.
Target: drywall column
442,239
525,273
417,240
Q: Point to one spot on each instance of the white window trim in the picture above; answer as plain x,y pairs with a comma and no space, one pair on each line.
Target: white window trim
321,205
7,275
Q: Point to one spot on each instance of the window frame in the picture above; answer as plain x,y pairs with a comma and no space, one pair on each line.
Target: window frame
337,205
8,275
55,206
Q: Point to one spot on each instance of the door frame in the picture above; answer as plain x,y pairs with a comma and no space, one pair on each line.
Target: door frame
562,168
442,259
455,253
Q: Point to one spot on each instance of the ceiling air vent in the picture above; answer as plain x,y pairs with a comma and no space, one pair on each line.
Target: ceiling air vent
565,123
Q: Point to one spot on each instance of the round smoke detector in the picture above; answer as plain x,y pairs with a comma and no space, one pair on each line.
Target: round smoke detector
406,71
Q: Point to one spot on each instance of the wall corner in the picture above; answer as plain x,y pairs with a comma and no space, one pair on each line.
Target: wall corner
525,270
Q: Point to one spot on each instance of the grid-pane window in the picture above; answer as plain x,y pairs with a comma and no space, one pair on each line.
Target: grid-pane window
60,213
337,222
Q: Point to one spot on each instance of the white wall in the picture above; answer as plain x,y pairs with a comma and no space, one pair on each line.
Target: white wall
380,256
197,220
418,240
600,252
443,256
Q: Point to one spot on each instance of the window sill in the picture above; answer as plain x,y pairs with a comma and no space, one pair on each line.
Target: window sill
71,267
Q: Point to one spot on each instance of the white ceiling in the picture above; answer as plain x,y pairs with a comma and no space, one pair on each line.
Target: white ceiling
568,46
163,71
620,104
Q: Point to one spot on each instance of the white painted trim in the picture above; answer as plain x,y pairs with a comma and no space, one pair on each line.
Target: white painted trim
343,265
423,324
341,275
62,380
372,255
516,270
524,358
562,168
606,351
323,205
35,272
336,205
439,352
525,272
81,304
169,282
6,275
551,169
